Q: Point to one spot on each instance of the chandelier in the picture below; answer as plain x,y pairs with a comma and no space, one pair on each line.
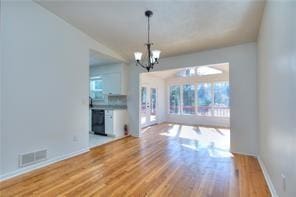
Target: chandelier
152,56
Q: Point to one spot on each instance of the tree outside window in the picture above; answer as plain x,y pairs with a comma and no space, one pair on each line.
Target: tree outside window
221,99
204,98
221,94
175,99
188,99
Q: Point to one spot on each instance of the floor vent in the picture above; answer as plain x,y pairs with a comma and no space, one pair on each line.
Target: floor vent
32,158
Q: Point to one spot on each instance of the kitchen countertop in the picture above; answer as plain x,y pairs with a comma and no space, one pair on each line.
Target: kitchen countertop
110,107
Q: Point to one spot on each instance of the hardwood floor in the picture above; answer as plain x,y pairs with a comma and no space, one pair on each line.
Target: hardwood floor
169,160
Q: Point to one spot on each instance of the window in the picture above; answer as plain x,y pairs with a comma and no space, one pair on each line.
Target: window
188,99
143,99
221,99
174,100
206,70
221,92
198,71
96,89
187,72
204,98
153,101
212,99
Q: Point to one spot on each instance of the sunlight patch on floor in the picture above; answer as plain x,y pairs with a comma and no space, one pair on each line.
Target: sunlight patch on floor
215,140
145,129
192,147
188,132
172,132
216,153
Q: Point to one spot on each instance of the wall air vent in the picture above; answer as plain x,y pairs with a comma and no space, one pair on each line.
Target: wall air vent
32,158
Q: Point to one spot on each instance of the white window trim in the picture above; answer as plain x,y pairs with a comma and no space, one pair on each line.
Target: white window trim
195,99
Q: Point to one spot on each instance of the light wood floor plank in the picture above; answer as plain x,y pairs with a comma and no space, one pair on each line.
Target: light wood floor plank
169,160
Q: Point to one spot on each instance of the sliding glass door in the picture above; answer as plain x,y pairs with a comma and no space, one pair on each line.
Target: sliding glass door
148,106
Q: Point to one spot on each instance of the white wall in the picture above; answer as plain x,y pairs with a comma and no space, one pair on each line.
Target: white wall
195,119
1,82
159,84
277,94
242,62
44,84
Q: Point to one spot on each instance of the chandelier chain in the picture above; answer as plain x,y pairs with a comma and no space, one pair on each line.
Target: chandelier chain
148,30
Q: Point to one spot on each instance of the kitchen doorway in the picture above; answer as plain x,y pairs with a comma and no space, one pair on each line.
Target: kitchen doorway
148,105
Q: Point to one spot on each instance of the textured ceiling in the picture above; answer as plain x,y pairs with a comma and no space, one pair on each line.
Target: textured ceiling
177,27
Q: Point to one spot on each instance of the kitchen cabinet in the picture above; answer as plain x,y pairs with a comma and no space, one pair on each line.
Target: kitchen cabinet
115,121
111,83
109,122
114,78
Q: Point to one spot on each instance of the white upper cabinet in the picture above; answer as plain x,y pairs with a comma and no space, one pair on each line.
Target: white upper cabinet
112,83
113,78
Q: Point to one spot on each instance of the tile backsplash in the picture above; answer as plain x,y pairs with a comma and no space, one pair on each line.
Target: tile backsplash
117,100
120,100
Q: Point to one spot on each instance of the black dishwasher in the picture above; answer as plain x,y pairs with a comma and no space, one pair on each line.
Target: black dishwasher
98,121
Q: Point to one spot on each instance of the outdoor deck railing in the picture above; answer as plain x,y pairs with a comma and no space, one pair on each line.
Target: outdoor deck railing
215,111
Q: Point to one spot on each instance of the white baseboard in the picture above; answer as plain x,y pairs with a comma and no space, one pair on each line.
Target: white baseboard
267,178
40,165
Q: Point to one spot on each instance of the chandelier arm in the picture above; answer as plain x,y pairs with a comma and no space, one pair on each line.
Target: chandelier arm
139,63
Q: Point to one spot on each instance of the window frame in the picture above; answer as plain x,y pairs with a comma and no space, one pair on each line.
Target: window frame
195,84
98,90
180,112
